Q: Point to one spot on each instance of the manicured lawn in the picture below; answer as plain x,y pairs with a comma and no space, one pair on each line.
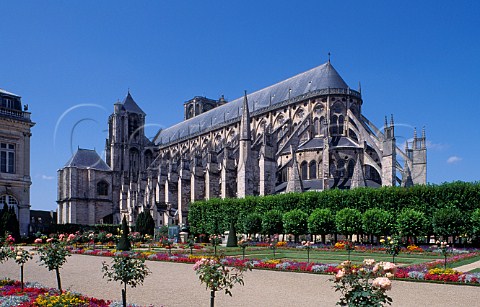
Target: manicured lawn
475,271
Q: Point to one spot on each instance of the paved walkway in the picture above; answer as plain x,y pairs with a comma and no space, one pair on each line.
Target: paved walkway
175,284
468,267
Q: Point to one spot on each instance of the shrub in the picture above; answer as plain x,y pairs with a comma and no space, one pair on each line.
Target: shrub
252,223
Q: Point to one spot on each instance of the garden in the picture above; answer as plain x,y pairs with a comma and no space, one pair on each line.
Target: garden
335,232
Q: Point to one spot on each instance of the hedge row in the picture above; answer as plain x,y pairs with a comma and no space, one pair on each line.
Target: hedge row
215,215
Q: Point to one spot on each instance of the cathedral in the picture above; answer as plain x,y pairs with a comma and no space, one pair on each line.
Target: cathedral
305,133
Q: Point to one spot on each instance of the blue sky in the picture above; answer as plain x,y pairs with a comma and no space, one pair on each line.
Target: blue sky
71,60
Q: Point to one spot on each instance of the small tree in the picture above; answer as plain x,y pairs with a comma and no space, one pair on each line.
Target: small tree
232,236
272,222
145,223
53,256
21,257
124,242
217,277
295,222
377,222
411,223
448,221
127,270
348,221
321,222
252,223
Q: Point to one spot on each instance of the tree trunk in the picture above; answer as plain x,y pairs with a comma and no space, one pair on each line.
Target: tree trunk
59,282
212,298
323,239
21,276
124,295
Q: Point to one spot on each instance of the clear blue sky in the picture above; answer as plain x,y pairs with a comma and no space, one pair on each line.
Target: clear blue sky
419,61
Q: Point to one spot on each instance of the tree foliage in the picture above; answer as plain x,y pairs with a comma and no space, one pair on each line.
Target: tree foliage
295,222
348,221
124,242
411,223
377,222
145,223
448,221
252,223
321,222
272,222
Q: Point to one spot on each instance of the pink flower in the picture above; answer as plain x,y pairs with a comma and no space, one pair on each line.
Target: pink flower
38,241
49,240
71,237
10,239
382,283
389,267
61,237
340,274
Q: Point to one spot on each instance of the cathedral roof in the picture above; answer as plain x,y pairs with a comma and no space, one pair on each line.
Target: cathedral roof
318,78
87,158
131,106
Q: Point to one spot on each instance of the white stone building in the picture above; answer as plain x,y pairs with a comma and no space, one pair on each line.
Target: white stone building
15,133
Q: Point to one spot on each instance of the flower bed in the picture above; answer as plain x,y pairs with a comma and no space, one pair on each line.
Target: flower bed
35,295
412,272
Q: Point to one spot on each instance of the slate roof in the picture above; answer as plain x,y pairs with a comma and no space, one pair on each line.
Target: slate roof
87,158
321,77
2,91
131,106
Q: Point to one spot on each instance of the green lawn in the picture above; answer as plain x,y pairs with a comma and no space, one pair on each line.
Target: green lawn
477,270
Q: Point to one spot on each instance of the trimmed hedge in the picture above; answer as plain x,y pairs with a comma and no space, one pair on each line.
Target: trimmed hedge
214,216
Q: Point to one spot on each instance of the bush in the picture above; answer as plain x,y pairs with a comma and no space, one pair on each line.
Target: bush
295,222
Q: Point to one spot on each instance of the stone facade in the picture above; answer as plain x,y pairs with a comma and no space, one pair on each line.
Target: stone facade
15,133
304,133
85,190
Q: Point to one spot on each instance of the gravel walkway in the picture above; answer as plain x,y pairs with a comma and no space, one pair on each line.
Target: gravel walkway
175,284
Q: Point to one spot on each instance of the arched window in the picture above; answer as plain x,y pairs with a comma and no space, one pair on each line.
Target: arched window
313,169
304,170
316,126
334,125
102,188
340,124
10,201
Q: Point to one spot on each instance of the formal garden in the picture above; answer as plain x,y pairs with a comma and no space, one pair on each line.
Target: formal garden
362,247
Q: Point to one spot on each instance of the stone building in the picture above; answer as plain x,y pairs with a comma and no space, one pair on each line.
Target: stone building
85,190
304,133
15,181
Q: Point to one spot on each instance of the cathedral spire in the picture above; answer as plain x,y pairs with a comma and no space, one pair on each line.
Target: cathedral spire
245,120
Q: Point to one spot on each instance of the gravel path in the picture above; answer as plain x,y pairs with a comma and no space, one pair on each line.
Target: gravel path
175,284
